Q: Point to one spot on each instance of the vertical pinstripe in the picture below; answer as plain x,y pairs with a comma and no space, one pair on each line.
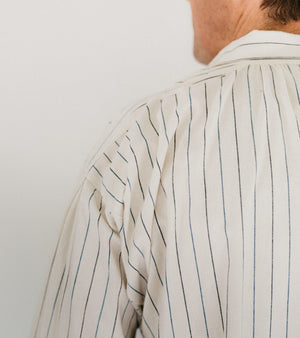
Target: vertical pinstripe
240,187
288,187
297,96
206,212
225,225
272,183
80,260
254,199
176,242
185,220
93,274
190,204
104,298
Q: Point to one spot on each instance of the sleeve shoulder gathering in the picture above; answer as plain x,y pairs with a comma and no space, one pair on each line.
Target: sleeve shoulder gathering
85,292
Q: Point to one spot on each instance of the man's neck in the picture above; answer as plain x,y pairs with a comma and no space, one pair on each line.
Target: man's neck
291,27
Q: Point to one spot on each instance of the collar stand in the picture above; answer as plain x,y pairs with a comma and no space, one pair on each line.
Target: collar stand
260,44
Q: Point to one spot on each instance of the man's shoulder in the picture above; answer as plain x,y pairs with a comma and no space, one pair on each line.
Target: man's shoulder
153,114
133,110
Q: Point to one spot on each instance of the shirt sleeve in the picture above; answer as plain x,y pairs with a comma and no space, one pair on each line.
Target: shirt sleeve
85,292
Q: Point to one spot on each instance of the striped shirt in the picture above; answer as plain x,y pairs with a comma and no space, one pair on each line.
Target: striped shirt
187,219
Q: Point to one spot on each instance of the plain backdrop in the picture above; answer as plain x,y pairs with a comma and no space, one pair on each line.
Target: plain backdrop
67,68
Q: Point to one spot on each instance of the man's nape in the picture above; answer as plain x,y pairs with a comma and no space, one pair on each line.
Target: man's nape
216,23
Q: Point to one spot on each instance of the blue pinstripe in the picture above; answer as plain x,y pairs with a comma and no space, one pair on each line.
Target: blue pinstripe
170,312
113,196
105,292
94,269
136,290
240,193
162,115
148,326
113,331
271,174
147,145
224,210
55,300
289,203
148,109
206,211
190,206
133,314
176,241
88,226
254,272
297,97
138,172
155,216
125,310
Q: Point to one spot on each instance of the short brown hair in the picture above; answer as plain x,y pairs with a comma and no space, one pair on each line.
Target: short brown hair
282,11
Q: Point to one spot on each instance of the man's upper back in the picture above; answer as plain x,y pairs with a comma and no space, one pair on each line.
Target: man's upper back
202,183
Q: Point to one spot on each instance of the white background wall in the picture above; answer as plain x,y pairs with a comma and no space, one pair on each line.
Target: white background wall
66,69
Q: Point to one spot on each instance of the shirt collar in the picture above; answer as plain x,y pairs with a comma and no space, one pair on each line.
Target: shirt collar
260,44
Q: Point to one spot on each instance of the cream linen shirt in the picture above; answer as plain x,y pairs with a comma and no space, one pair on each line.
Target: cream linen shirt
187,219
